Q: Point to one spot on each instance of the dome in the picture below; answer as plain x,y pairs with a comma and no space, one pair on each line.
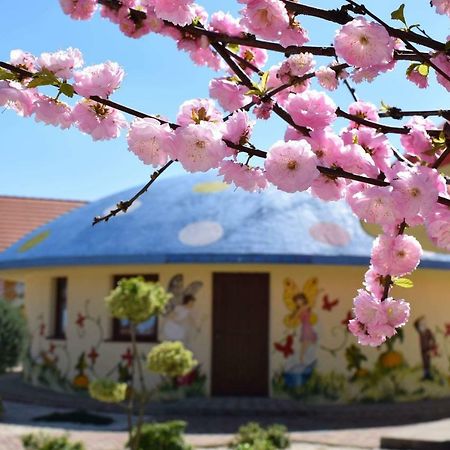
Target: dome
198,219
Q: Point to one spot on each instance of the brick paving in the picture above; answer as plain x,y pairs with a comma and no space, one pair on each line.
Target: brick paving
213,421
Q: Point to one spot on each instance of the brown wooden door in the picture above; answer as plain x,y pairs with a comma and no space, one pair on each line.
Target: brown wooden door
240,347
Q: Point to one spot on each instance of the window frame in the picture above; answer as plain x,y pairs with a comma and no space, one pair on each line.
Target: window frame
60,286
117,334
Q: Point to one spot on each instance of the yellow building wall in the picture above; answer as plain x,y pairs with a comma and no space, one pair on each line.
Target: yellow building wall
339,372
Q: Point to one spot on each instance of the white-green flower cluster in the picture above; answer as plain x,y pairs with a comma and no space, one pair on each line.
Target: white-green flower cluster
172,359
137,300
108,391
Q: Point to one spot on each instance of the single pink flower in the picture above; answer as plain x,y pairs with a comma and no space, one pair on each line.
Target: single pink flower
100,121
363,110
228,93
311,109
150,141
14,96
265,18
374,282
225,23
395,256
328,188
199,147
198,110
396,312
52,112
62,63
238,128
101,79
22,59
442,61
327,78
79,9
291,166
364,44
442,6
246,177
179,12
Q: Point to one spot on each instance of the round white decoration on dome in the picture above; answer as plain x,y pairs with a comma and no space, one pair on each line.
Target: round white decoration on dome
198,234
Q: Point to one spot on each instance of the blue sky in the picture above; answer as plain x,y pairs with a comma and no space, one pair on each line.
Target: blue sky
43,161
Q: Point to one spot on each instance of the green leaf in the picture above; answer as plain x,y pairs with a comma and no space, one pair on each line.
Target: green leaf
404,283
6,75
412,67
264,79
67,89
253,92
398,14
43,78
423,69
233,47
385,107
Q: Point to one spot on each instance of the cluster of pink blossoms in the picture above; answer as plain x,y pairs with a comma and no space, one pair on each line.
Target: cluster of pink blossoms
312,157
91,117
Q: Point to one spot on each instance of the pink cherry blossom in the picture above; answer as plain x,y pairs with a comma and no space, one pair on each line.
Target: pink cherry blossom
100,121
265,18
101,79
438,228
442,61
327,146
134,25
417,141
263,111
296,66
246,177
22,59
13,96
374,282
256,56
395,256
238,128
413,74
79,9
355,159
52,112
198,110
225,23
415,190
374,144
363,110
311,109
228,93
328,188
199,147
365,337
150,141
367,309
442,6
327,78
61,63
374,204
294,34
179,12
364,44
291,166
396,312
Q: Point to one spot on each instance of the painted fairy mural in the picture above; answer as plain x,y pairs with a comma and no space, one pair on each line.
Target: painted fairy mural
300,341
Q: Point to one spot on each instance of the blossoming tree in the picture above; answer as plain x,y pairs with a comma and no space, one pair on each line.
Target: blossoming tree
394,188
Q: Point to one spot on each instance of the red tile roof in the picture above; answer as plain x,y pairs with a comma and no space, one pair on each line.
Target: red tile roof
20,215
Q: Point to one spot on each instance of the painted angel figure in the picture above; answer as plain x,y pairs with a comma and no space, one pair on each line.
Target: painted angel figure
180,318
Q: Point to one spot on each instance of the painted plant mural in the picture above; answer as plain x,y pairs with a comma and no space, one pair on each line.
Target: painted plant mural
50,362
355,373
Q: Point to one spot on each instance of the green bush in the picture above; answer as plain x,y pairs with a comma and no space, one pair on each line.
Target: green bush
163,436
46,442
253,437
12,336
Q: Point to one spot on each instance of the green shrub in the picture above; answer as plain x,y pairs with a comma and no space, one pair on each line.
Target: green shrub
253,437
108,391
172,359
45,442
163,436
12,335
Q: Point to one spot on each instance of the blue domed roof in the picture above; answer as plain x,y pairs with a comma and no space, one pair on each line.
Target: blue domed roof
196,218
